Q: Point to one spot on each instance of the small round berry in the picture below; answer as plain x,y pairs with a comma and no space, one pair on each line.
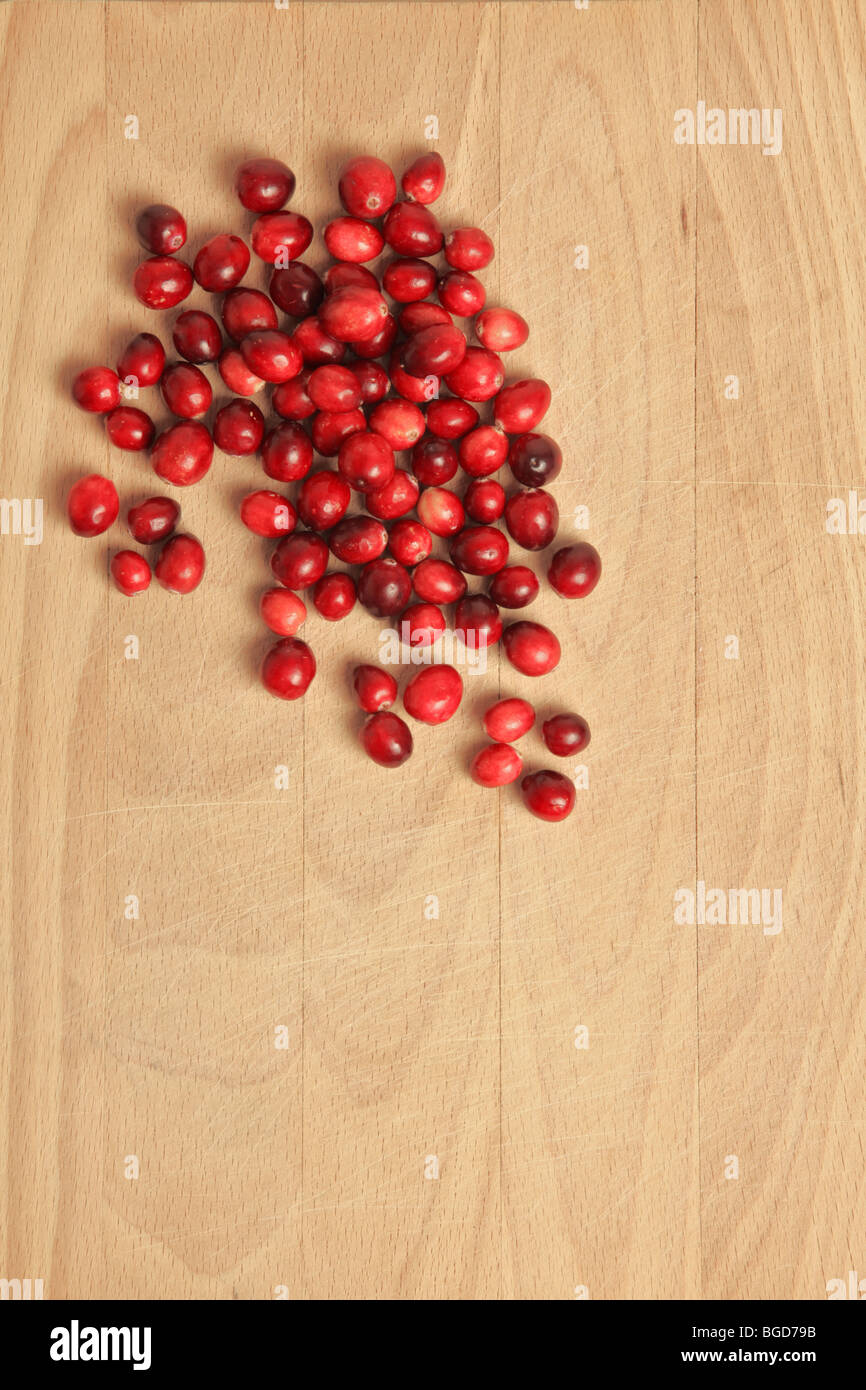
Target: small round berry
92,505
196,336
522,405
358,539
411,230
221,263
441,511
183,453
277,234
484,500
288,668
287,452
238,428
353,240
409,542
376,689
534,459
299,560
574,571
532,518
386,739
181,564
142,361
334,596
422,625
367,186
501,330
509,719
479,550
335,388
384,586
129,429
461,293
323,499
130,572
186,390
272,355
268,514
264,185
153,520
366,461
450,418
237,375
243,311
96,389
496,765
162,281
296,289
531,648
479,376
408,279
424,180
565,734
514,586
395,499
434,694
548,795
468,248
477,621
282,611
435,581
161,229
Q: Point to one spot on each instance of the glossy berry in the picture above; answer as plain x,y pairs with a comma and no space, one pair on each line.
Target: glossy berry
323,500
288,668
221,263
96,389
441,511
434,351
287,453
183,453
180,565
484,500
532,518
479,376
501,330
509,719
531,648
436,581
196,336
496,765
243,311
272,355
400,423
299,560
534,459
238,428
186,390
237,375
328,430
367,186
92,505
468,248
153,520
477,621
353,240
421,625
366,461
411,230
548,795
414,317
434,461
514,586
162,281
372,381
335,388
424,180
130,429
386,739
317,346
282,611
280,236
434,694
376,689
521,405
264,185
395,499
142,361
483,451
565,734
479,550
343,273
161,229
296,289
358,539
268,514
379,343
461,293
574,571
334,596
450,418
384,586
290,398
130,572
408,279
353,314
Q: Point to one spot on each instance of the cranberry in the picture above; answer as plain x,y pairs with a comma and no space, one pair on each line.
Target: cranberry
221,263
534,459
496,765
468,248
434,351
300,560
244,310
197,337
130,572
334,596
161,229
411,230
422,625
435,581
343,273
350,239
450,418
128,428
414,317
483,451
180,564
238,428
509,719
408,279
334,388
384,586
296,289
291,400
548,795
161,282
461,293
424,180
520,406
479,550
514,586
264,185
434,694
353,313
92,505
396,498
531,648
372,381
330,430
268,514
153,520
367,186
358,539
323,499
574,571
401,423
272,355
501,330
186,390
287,453
376,689
379,343
484,500
96,389
283,611
441,511
532,518
183,453
237,375
479,376
477,621
386,739
366,461
288,668
434,461
141,361
565,734
281,236
411,388
317,346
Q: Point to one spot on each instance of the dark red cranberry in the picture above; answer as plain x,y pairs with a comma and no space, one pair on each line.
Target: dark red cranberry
272,355
565,734
183,453
484,500
477,621
548,795
434,351
534,459
239,428
422,625
376,689
366,461
509,719
162,281
514,586
531,648
372,381
479,550
237,375
128,428
468,248
434,694
461,293
287,453
483,451
283,611
424,180
384,586
449,418
334,596
401,423
414,317
386,739
408,279
434,461
180,565
330,430
142,361
396,498
245,310
186,390
264,185
130,572
288,668
479,376
221,263
300,559
268,514
290,398
153,520
520,406
335,388
92,505
496,765
296,289
411,388
358,539
353,314
532,518
317,346
441,511
367,186
409,542
197,337
353,240
379,343
343,273
96,389
411,230
280,237
501,330
435,581
574,571
161,229
323,499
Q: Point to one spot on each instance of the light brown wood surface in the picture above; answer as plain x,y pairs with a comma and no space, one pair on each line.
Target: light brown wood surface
559,1168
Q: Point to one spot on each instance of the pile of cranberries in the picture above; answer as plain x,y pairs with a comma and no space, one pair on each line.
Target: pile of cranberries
374,373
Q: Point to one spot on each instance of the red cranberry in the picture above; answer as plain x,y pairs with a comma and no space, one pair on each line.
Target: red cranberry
501,330
575,570
435,581
334,388
522,405
130,572
288,668
367,186
197,337
358,539
334,596
479,376
441,511
272,355
384,586
422,625
300,560
128,428
237,375
434,461
408,279
238,428
514,586
424,180
434,351
268,514
372,381
290,398
330,430
484,500
565,734
483,451
183,453
317,346
509,719
221,263
450,418
396,498
479,550
153,520
161,229
161,282
287,453
433,695
376,689
353,313
186,390
532,518
264,185
142,361
92,505
353,240
281,236
323,500
477,621
343,273
468,248
379,343
534,459
180,564
244,310
531,648
296,289
400,423
461,293
548,795
283,611
411,388
411,230
96,389
496,765
414,317
366,461
386,739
